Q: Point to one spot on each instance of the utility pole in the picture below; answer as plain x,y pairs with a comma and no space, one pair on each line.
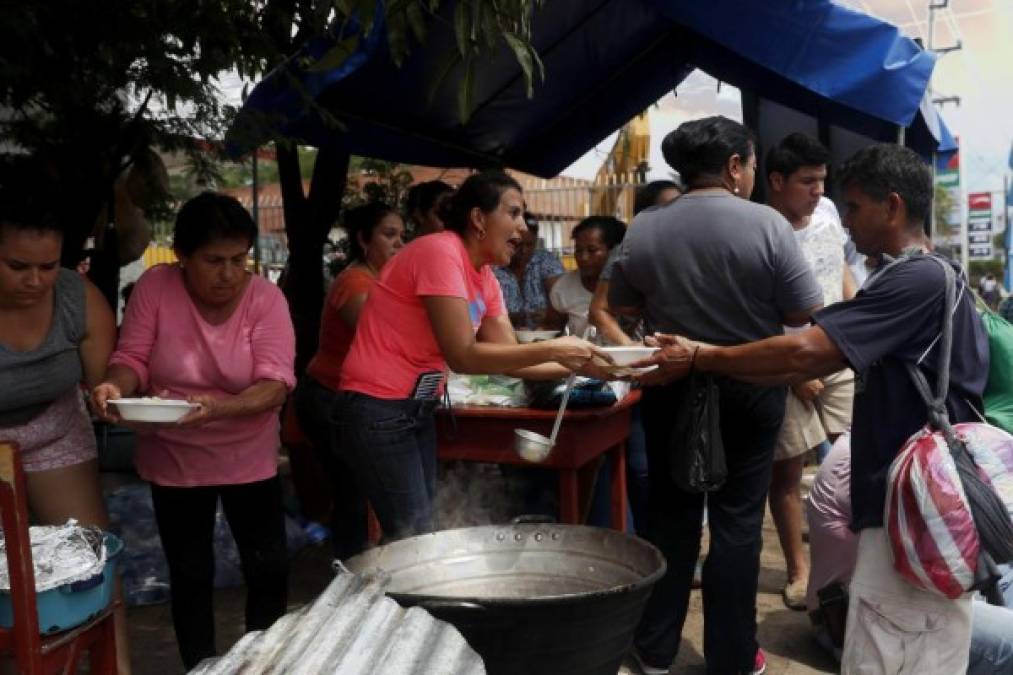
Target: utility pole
935,6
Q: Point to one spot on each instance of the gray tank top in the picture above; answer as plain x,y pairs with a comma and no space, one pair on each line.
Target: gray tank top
30,381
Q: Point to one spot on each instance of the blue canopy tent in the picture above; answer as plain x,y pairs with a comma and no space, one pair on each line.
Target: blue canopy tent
605,61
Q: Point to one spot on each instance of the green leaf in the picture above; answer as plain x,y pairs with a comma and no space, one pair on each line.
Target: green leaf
453,58
461,27
336,55
417,21
366,9
397,37
476,17
538,62
466,92
523,55
490,26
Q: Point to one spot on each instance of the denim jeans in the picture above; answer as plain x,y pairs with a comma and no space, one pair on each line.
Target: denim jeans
637,480
391,447
600,513
313,405
992,633
750,422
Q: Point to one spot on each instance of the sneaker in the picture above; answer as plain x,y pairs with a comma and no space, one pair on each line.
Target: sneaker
647,668
794,593
759,663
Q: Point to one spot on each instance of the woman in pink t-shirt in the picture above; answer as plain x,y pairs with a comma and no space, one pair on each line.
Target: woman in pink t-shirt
436,304
375,234
208,331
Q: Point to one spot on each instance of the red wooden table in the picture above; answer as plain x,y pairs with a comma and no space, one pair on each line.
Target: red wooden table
486,434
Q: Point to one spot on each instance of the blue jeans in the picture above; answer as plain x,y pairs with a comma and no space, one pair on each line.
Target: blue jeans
637,487
391,447
313,405
992,633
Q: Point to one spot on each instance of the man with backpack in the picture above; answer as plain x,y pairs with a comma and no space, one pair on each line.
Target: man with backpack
896,320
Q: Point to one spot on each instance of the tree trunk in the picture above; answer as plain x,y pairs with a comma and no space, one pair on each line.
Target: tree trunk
308,220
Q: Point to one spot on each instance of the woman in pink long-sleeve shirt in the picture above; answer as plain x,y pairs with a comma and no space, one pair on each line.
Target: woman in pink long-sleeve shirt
208,331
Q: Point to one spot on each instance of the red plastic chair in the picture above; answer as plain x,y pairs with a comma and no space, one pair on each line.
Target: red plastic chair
36,654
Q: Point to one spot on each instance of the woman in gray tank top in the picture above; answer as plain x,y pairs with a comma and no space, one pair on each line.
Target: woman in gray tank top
56,333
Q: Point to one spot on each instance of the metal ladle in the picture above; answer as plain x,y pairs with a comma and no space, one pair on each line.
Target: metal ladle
533,446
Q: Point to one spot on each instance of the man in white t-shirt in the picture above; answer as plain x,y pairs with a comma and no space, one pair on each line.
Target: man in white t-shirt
816,410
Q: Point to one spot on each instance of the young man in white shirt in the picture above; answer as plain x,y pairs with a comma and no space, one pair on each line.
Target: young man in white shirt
819,409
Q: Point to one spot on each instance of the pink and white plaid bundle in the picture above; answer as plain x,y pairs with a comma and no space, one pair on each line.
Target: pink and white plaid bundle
928,519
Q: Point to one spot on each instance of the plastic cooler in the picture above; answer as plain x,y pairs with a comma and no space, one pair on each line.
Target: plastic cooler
71,605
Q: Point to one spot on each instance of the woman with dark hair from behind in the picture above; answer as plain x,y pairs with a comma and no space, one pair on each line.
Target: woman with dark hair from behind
207,330
724,270
656,193
375,232
422,206
436,306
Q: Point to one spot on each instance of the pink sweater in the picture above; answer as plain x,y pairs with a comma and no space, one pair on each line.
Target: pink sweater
170,346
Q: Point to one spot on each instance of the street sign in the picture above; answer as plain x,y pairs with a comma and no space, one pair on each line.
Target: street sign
979,204
979,251
979,225
979,237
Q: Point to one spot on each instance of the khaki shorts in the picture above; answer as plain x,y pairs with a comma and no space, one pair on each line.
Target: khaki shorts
806,426
895,628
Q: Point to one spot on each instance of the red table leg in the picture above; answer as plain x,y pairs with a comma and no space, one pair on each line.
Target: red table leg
569,502
618,456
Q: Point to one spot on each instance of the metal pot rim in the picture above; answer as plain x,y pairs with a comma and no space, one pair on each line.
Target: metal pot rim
487,601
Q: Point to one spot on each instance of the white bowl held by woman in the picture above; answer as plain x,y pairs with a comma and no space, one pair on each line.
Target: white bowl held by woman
151,409
624,356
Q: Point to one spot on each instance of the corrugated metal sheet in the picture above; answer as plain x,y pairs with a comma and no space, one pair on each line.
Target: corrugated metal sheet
351,629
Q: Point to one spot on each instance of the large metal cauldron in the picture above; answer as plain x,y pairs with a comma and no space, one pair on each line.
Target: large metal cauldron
530,599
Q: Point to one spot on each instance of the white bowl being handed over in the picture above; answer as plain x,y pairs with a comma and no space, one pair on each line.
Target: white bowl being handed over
524,336
624,356
151,409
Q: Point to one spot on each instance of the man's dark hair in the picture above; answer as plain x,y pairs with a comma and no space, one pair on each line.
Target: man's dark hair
878,170
211,217
363,220
795,151
699,149
647,194
612,229
482,190
422,196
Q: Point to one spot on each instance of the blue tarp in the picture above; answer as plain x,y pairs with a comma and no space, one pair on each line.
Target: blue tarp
605,61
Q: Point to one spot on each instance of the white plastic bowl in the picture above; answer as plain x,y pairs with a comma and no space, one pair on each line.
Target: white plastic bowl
151,410
524,336
624,356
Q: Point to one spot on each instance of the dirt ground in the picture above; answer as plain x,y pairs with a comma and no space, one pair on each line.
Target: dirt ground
783,633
